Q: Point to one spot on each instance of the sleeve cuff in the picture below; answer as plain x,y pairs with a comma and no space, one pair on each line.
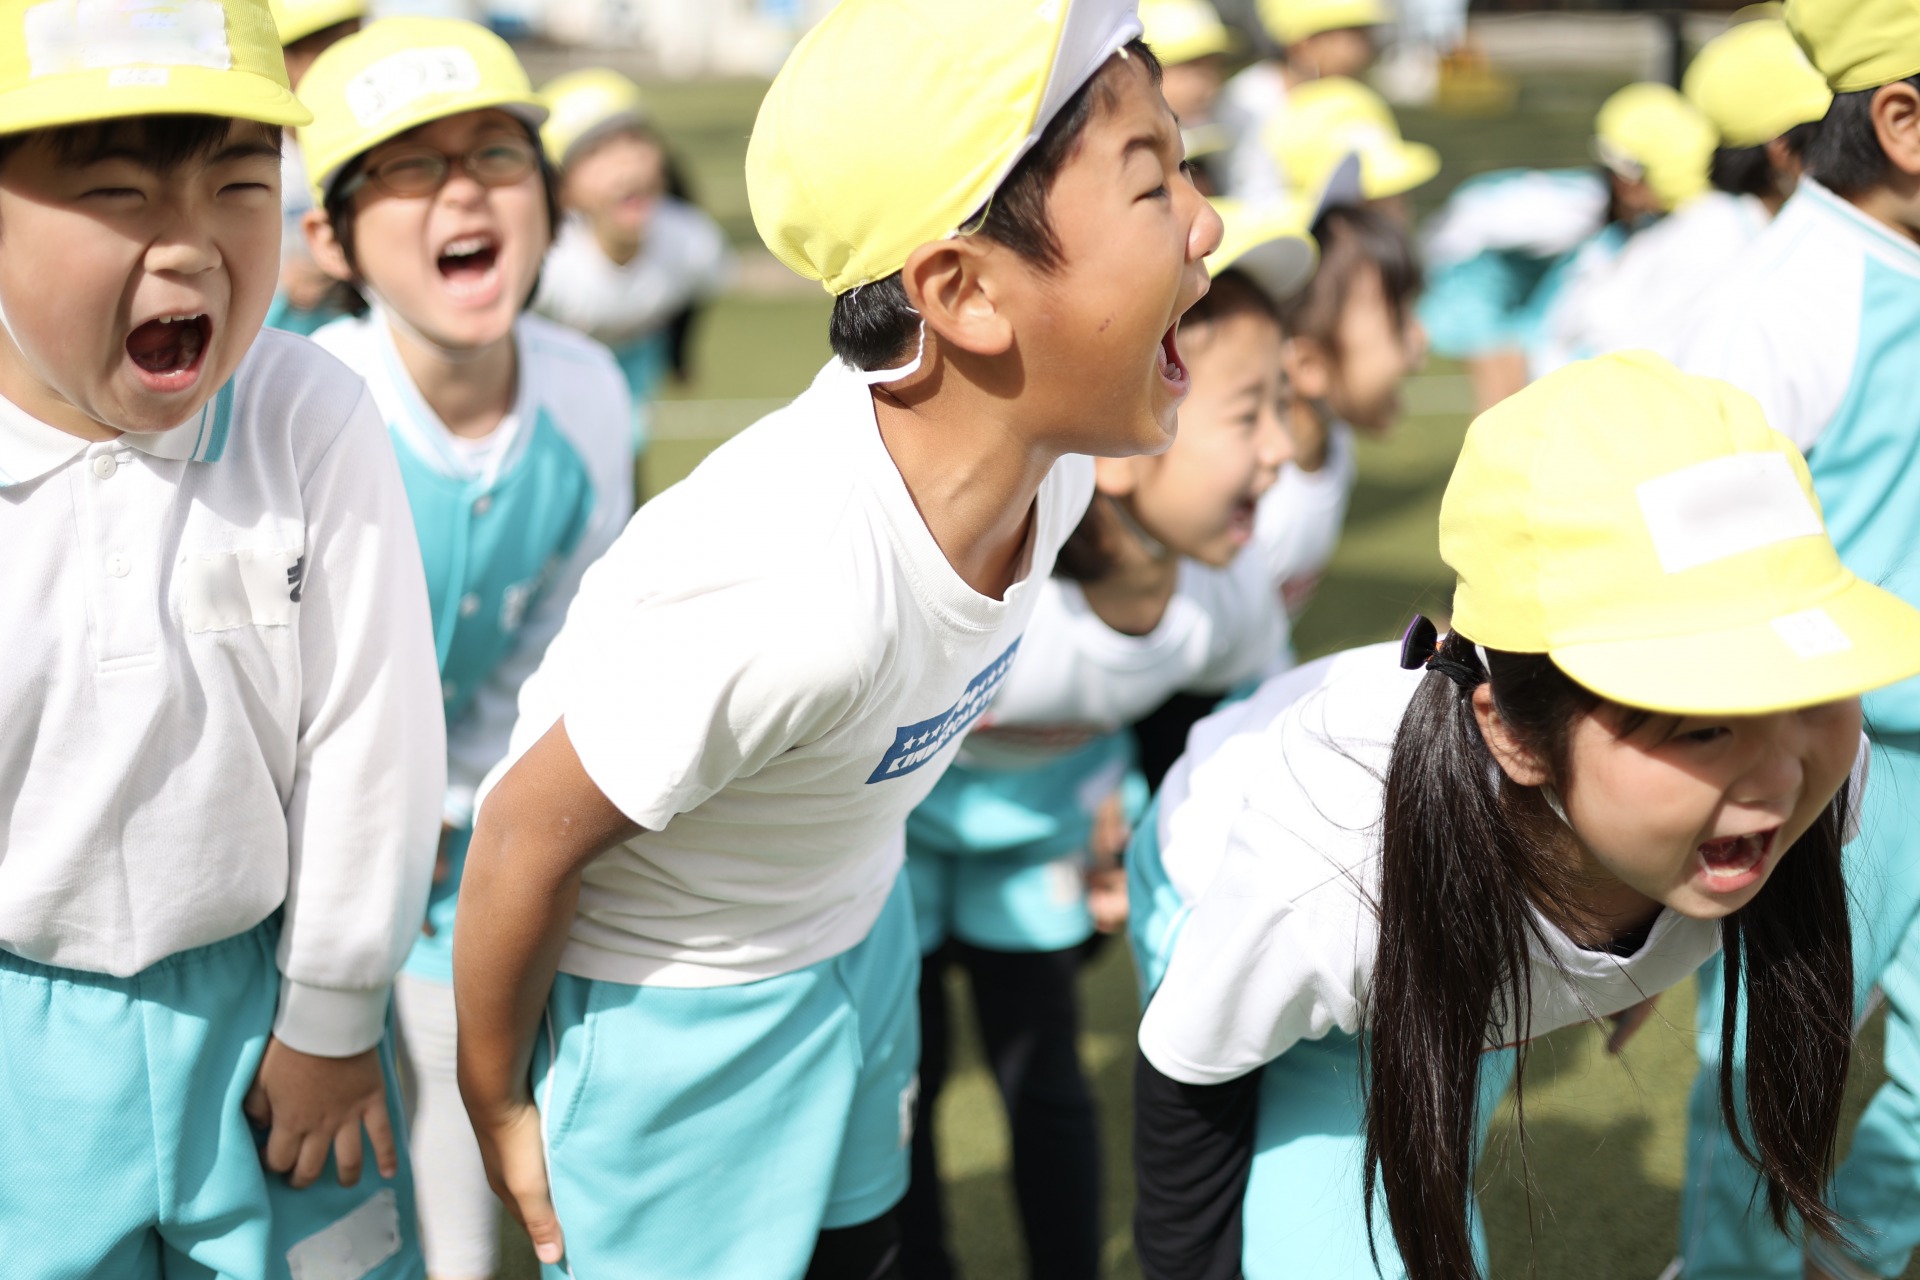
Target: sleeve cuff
327,1022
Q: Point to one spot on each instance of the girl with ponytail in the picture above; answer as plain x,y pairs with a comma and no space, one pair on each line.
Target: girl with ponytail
1367,888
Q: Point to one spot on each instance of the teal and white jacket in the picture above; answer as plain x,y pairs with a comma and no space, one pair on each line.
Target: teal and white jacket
1818,322
504,534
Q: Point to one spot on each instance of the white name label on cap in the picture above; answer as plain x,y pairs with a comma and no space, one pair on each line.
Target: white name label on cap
68,36
1725,506
1812,633
402,79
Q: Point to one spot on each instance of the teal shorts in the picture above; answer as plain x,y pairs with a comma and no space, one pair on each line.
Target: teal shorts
697,1133
999,858
432,954
126,1152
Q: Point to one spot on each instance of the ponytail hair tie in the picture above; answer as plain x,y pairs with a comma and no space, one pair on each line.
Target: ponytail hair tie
1420,647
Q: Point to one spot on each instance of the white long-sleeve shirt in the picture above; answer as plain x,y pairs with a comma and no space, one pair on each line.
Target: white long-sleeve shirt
219,697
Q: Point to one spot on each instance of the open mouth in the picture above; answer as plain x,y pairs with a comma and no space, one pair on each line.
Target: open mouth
1240,522
1173,370
1736,858
168,349
468,263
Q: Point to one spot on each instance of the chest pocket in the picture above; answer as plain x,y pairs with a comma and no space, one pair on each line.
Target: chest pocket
223,590
490,549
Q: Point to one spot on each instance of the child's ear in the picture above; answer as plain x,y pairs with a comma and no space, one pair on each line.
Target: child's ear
1309,367
326,250
951,284
1514,759
1896,120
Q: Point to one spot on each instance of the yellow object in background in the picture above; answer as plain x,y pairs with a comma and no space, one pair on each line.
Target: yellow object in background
1858,44
1184,30
73,61
580,104
1651,130
1650,532
1329,119
1291,21
1271,244
399,73
298,19
1754,83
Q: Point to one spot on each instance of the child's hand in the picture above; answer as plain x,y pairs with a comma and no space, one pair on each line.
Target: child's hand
1107,898
516,1161
311,1105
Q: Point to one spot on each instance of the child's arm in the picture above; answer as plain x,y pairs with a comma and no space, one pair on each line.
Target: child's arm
364,808
542,824
1192,1156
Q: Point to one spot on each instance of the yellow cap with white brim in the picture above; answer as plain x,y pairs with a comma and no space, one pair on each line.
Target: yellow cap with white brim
1269,243
66,62
1184,30
584,105
1648,531
398,74
1329,119
1858,44
1754,83
1649,130
894,121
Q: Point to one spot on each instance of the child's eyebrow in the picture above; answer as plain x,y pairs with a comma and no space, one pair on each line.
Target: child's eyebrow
133,155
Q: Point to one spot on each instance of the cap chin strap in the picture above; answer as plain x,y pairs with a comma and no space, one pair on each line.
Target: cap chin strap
874,377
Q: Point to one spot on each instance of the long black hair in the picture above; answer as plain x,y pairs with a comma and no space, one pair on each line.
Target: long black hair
1466,864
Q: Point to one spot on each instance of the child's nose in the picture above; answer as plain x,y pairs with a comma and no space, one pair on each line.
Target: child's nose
1204,236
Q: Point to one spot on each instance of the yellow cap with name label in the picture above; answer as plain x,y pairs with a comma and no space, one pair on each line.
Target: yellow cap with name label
1652,534
68,62
894,121
398,74
1754,83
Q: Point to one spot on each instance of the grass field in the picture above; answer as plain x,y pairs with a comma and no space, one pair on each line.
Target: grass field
1606,1133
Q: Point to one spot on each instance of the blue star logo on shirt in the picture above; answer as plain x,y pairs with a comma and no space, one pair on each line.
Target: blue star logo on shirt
915,744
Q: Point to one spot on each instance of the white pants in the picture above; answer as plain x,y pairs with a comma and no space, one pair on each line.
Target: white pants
459,1217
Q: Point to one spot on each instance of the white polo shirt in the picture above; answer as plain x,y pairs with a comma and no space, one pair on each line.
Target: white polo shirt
768,671
683,260
1270,828
1298,522
219,698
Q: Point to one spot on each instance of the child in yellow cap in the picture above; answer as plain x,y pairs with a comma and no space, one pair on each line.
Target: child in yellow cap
684,906
1192,45
1765,102
307,29
1332,119
1393,868
511,433
634,260
1817,321
1014,856
218,749
1311,39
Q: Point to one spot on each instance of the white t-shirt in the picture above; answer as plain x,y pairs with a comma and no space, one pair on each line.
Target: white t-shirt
1298,522
1271,828
219,698
1078,679
683,259
768,671
1650,295
1251,103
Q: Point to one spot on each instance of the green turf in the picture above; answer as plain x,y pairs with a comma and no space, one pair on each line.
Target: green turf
1606,1134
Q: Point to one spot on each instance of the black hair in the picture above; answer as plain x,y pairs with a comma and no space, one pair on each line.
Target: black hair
1846,156
1747,171
1466,863
1088,553
1352,237
345,297
872,324
163,142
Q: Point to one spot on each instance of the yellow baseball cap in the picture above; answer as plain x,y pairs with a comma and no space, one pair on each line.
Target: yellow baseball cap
400,73
74,61
1291,21
1753,83
582,104
1329,119
1647,530
1270,243
298,19
1183,30
1858,44
894,121
1650,128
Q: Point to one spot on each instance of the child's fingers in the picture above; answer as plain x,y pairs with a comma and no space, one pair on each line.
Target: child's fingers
347,1152
282,1149
523,1170
256,1108
386,1156
312,1161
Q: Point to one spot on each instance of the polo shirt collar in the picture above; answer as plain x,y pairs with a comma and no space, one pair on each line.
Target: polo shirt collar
29,448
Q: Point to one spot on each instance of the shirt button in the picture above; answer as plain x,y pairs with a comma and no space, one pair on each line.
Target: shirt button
482,504
104,465
118,565
469,605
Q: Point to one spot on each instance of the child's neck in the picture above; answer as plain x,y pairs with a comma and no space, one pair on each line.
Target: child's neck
972,474
1132,596
471,391
1895,208
620,245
